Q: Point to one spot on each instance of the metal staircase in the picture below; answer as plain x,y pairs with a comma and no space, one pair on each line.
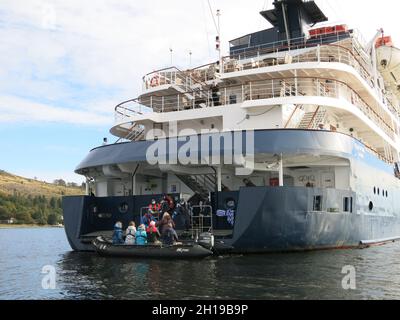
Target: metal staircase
311,120
135,133
200,184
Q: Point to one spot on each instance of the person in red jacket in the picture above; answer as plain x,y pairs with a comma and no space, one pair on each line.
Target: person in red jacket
152,233
154,207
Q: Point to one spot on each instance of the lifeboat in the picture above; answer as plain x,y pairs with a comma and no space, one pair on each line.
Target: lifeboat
104,247
388,63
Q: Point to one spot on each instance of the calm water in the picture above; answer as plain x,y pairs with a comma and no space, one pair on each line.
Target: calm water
315,275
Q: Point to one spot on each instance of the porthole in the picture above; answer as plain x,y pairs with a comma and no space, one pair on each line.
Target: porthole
123,207
386,194
378,192
374,190
371,206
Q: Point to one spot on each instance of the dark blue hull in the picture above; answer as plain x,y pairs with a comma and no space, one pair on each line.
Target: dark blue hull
267,219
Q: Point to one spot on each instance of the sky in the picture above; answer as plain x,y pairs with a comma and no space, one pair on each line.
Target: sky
64,65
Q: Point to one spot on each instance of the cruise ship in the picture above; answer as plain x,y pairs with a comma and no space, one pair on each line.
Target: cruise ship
289,143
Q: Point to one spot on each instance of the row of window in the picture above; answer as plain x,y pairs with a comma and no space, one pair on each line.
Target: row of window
378,192
347,204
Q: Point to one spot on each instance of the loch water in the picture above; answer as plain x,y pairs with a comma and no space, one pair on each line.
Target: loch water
26,253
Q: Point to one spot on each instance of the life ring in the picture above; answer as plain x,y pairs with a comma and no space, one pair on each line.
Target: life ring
155,81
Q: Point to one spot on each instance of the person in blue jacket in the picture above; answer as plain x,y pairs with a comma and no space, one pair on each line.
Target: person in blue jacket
141,235
118,234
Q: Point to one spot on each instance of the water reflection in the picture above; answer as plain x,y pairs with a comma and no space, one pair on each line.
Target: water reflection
312,275
292,276
88,276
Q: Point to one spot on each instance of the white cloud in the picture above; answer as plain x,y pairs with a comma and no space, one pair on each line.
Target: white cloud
81,55
14,109
73,61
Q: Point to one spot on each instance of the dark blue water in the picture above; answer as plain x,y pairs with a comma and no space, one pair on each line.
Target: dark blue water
313,275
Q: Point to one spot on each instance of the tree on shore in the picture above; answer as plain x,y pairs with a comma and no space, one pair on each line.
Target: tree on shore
52,219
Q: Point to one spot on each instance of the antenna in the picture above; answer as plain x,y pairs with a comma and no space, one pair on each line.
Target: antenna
218,39
171,51
218,28
190,59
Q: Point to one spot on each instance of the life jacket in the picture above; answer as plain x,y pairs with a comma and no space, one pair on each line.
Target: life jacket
147,218
154,207
152,234
117,236
141,237
131,231
151,229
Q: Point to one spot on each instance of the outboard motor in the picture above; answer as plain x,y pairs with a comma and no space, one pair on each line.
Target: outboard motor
206,239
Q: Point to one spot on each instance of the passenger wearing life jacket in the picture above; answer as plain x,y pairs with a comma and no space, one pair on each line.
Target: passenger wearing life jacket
130,234
154,207
152,233
141,236
147,218
117,237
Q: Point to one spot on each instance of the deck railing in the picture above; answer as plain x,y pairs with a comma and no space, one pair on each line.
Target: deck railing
256,90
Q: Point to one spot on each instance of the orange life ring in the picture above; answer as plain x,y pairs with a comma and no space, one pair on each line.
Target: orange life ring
155,81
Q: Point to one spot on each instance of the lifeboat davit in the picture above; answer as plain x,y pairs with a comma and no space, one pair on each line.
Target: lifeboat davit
388,60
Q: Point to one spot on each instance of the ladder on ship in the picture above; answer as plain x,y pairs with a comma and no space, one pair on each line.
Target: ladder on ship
200,184
311,120
135,133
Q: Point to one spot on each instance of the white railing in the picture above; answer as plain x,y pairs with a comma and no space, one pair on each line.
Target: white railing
314,53
257,90
128,109
300,41
183,79
169,76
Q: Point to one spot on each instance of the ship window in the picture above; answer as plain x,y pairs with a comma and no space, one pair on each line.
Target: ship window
317,205
374,190
370,206
378,192
386,194
347,204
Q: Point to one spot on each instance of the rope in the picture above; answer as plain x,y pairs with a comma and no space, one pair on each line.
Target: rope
212,15
205,27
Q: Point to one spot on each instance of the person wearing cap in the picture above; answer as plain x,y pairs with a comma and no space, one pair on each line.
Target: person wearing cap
152,233
117,237
141,235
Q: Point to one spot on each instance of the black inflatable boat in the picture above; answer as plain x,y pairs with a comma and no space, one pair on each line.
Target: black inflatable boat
105,247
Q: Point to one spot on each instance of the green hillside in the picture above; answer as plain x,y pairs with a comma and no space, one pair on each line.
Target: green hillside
29,201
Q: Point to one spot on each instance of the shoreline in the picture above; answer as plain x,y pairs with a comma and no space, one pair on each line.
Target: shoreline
26,226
